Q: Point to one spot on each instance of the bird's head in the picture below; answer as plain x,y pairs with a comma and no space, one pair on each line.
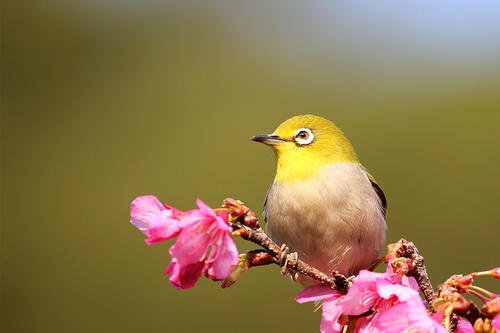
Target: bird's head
304,145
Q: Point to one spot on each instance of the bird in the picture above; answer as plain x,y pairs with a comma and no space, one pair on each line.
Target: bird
323,204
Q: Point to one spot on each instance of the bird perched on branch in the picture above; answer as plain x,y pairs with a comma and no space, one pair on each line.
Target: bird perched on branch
323,204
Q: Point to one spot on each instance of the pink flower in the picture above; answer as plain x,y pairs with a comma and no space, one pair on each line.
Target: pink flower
394,300
331,310
496,273
496,322
377,289
184,276
157,221
204,245
464,326
408,316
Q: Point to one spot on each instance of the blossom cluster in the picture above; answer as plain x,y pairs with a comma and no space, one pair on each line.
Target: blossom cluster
375,302
204,244
390,302
450,301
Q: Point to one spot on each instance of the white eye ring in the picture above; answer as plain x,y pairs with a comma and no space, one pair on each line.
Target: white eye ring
304,136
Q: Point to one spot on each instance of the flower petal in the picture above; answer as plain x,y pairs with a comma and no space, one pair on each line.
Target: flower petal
330,317
183,276
364,325
142,209
221,219
410,281
386,290
363,293
464,326
226,257
162,226
410,316
191,217
496,322
204,208
191,245
316,293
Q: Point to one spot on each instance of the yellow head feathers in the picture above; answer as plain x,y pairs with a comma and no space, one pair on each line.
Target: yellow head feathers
304,145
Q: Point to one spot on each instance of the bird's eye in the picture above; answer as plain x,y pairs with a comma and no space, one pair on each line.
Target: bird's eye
304,136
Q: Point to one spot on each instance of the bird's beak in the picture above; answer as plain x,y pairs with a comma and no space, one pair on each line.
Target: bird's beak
268,139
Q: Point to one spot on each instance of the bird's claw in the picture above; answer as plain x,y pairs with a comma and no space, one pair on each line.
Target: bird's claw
341,280
283,255
294,257
283,260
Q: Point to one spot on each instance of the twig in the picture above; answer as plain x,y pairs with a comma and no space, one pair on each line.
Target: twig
246,224
419,271
258,236
403,256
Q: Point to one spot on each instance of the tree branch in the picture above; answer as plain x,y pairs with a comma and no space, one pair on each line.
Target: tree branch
259,237
403,255
419,271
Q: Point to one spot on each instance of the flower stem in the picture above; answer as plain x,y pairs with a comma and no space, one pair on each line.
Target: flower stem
258,236
478,295
481,290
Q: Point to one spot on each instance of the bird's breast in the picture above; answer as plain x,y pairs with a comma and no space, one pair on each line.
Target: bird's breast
334,220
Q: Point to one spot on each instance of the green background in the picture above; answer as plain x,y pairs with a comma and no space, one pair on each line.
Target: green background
103,101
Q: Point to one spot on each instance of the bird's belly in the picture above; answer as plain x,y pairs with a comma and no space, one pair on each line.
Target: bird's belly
332,227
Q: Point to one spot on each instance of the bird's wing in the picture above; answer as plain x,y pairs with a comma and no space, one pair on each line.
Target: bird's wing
264,211
379,192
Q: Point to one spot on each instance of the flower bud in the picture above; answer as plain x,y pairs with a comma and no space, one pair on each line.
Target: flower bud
458,282
259,258
251,221
401,266
240,233
236,272
466,309
496,272
238,212
397,250
491,308
483,325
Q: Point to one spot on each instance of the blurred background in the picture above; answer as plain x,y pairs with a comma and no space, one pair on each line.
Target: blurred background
106,100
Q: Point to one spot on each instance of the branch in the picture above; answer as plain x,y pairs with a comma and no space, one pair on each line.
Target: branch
246,225
419,271
403,256
291,262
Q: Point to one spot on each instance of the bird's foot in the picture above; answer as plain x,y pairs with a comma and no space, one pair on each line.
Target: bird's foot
341,281
284,254
285,258
293,257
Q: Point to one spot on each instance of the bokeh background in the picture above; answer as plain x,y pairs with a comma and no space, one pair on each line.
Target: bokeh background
106,100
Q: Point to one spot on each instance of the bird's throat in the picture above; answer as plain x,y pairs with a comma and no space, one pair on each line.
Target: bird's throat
293,168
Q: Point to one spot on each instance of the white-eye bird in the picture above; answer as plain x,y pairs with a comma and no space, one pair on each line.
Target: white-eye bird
323,204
